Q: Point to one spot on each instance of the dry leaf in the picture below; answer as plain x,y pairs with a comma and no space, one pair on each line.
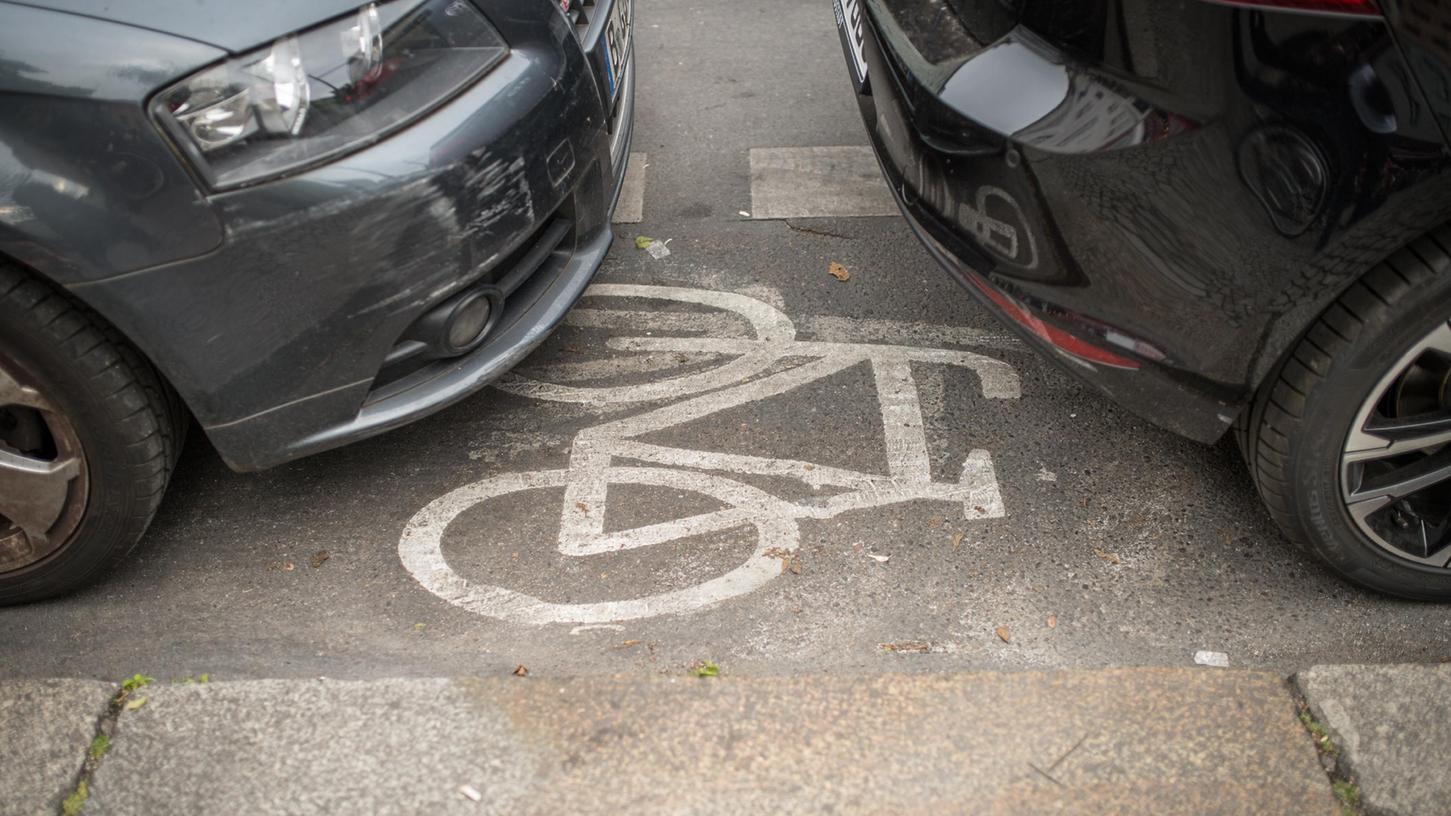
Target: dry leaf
521,671
1002,632
795,564
582,507
838,271
957,540
1052,621
132,705
935,522
1107,556
913,646
319,557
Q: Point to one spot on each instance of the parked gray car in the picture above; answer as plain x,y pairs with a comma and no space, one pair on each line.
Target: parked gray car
301,223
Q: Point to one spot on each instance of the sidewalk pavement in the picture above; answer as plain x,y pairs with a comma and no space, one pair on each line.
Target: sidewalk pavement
1129,740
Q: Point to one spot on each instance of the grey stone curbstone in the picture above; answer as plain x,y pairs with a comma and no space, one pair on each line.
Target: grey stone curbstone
1392,725
1158,740
45,729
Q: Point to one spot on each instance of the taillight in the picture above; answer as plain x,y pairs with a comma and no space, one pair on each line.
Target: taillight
1358,8
1054,336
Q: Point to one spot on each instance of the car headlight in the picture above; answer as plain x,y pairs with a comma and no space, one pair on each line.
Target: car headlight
324,91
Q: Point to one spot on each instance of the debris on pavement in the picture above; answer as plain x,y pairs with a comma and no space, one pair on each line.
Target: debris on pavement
1003,634
838,271
908,647
132,705
656,248
319,558
743,213
521,670
1052,621
957,539
470,792
1216,659
880,559
705,668
1046,475
789,560
1111,558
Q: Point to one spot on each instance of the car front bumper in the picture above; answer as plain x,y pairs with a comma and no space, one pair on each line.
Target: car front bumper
285,340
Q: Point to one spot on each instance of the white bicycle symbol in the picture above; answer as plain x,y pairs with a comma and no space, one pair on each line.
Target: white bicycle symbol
758,370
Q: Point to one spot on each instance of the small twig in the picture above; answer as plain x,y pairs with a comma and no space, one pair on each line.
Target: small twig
1045,774
1059,761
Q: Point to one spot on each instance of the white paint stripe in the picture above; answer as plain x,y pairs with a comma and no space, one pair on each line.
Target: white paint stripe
714,324
808,472
817,182
998,379
631,207
679,413
768,322
902,421
874,330
595,627
583,370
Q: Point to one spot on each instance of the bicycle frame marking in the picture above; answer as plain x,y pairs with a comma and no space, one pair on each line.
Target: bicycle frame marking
746,379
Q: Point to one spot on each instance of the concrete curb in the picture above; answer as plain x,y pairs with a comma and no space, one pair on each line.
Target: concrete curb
1392,728
45,728
1148,740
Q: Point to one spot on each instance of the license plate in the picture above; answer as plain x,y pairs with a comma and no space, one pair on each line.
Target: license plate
851,22
617,45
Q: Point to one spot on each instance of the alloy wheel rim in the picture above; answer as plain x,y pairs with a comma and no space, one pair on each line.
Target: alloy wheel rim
1396,464
43,473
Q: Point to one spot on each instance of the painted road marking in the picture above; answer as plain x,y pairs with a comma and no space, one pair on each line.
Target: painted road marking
817,182
751,372
631,207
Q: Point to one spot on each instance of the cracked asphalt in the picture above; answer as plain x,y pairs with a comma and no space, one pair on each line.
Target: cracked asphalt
1118,544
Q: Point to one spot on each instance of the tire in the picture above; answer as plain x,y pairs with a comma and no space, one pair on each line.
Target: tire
1296,430
103,397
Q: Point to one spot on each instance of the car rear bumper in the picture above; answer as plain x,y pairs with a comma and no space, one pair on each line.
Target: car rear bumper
994,231
1112,220
291,338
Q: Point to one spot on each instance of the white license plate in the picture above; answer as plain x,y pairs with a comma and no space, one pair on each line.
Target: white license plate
617,45
850,21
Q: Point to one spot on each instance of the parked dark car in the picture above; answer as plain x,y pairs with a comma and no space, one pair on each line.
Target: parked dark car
1228,216
301,223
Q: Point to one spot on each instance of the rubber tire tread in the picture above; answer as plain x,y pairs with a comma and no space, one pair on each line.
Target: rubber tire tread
129,420
1273,432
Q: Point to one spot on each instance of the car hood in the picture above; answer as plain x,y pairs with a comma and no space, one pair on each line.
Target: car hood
228,24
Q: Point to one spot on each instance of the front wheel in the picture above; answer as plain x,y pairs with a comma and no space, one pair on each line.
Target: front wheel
88,438
1350,445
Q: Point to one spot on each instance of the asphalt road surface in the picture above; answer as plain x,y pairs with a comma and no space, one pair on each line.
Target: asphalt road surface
730,455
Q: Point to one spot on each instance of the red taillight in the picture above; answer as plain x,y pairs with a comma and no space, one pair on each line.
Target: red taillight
1359,8
1056,337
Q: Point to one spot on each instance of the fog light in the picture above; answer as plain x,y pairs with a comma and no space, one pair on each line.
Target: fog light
468,321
